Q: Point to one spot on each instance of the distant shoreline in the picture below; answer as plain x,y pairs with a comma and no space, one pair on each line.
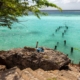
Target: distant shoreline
58,10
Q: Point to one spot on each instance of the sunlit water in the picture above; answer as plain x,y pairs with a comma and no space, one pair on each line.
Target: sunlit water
31,29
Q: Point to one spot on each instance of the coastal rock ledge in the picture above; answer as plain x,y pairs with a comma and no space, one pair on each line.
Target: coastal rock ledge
29,57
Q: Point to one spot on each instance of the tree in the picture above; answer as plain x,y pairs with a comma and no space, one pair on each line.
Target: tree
11,9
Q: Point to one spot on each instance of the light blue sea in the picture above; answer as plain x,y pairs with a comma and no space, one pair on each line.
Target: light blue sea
30,29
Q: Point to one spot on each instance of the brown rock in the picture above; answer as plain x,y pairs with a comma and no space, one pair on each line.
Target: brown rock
11,74
2,68
29,57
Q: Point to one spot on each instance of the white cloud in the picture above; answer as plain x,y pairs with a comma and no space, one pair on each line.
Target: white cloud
64,4
64,1
54,1
78,0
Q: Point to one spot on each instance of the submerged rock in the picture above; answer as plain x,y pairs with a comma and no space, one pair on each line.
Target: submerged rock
29,57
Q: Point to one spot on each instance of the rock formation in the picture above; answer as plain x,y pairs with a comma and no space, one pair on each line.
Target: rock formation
29,57
39,74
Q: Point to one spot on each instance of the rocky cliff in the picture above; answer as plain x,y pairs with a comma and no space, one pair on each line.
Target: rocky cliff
39,74
30,57
29,64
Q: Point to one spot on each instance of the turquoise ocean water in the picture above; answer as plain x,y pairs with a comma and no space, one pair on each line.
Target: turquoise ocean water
30,29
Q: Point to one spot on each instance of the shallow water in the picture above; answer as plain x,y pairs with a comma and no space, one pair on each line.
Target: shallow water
32,29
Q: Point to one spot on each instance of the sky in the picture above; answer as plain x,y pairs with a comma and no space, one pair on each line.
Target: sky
64,4
67,4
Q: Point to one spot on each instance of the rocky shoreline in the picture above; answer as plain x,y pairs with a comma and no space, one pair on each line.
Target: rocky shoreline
28,57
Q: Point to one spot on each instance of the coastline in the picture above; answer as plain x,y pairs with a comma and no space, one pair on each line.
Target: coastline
18,61
36,30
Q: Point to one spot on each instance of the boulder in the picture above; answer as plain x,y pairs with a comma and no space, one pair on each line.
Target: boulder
2,68
11,74
29,57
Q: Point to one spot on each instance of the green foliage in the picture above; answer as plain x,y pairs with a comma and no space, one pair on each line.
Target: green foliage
11,9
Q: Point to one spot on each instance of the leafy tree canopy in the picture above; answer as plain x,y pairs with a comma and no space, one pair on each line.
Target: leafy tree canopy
11,9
